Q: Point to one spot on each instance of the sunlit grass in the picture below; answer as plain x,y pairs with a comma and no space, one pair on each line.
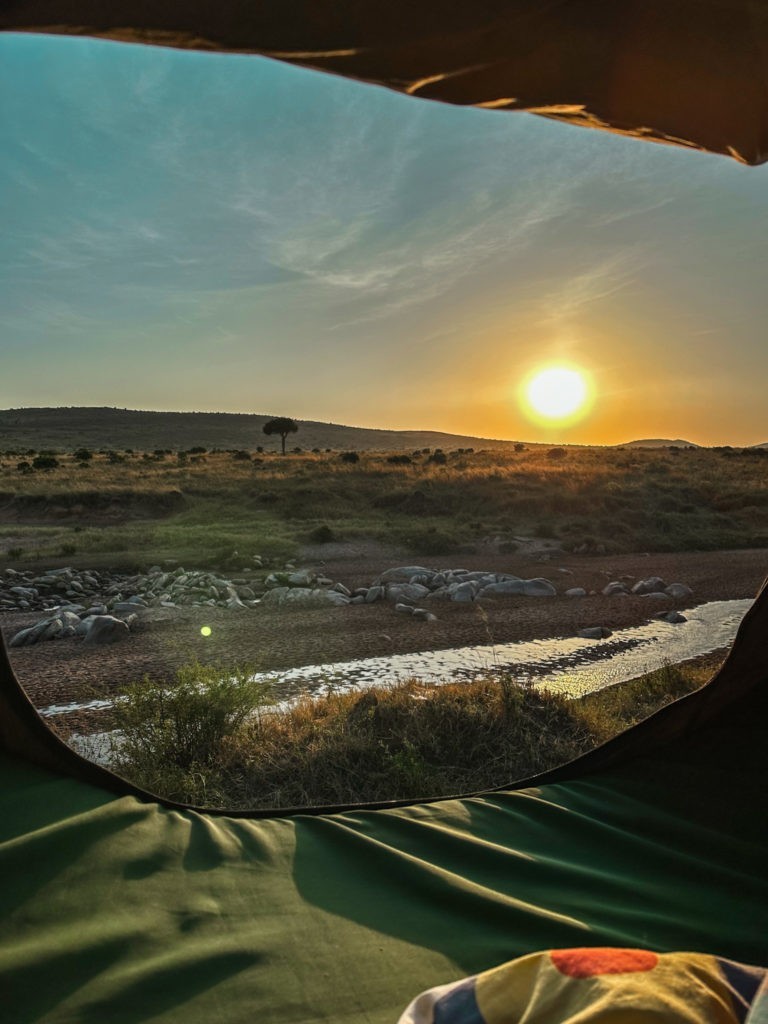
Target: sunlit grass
153,506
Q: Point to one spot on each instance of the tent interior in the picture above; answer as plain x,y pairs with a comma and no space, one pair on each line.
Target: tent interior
120,906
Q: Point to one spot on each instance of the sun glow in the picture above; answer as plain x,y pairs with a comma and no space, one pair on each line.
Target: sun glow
557,394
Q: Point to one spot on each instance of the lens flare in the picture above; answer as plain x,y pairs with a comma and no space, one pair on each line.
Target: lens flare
205,631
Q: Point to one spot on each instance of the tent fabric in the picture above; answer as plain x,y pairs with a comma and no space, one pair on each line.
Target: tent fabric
120,909
687,72
124,908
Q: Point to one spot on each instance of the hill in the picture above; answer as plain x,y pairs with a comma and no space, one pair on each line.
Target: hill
75,427
659,442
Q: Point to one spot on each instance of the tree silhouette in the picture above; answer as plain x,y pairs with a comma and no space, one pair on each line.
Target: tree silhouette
282,426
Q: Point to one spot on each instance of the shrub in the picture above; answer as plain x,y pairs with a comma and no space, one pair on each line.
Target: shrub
83,455
198,449
519,447
67,549
241,456
557,454
349,457
322,534
16,554
400,460
167,734
438,457
45,462
24,466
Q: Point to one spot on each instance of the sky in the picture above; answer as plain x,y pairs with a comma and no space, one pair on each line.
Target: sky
193,231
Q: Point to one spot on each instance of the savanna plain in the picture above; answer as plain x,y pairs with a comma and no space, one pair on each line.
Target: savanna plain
194,725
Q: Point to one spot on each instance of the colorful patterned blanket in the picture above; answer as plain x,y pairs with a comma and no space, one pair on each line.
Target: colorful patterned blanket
601,986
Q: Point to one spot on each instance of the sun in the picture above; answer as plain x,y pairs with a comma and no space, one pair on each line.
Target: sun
557,394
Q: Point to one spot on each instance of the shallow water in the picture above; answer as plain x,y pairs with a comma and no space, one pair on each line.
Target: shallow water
569,665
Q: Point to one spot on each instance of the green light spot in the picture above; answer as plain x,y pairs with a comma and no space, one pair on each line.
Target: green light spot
205,630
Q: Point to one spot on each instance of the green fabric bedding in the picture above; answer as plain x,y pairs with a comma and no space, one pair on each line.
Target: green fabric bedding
122,910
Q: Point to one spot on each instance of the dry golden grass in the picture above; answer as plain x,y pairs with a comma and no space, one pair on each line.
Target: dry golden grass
410,741
179,505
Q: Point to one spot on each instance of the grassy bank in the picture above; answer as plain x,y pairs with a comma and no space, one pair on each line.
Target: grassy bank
221,507
211,741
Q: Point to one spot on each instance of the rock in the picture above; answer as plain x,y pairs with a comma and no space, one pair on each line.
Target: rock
406,591
576,592
614,588
306,596
539,588
657,596
404,609
462,593
678,591
595,633
672,617
97,609
20,639
653,584
403,574
375,593
424,615
357,599
341,589
509,588
106,629
303,578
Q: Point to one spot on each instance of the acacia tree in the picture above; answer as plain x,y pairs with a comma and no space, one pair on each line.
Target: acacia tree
282,426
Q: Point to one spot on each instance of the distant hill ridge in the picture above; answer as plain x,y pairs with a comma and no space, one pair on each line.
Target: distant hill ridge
658,442
81,426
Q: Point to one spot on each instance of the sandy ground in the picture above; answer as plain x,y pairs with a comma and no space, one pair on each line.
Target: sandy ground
270,639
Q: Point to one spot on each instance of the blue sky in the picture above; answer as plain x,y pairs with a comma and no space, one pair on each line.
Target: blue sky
198,231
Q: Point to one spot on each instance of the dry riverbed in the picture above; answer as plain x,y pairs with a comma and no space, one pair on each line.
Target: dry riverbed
272,639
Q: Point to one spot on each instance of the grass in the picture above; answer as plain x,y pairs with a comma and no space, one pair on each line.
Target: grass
213,740
149,507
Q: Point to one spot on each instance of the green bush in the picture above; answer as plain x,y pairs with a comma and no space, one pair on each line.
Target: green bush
170,738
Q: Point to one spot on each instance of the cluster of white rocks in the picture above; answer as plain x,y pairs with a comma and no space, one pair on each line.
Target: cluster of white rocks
103,606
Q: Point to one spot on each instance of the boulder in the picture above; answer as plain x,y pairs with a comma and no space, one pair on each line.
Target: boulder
404,609
424,615
403,574
509,588
462,593
375,593
576,592
539,588
595,633
614,588
302,578
106,629
672,617
678,591
649,586
406,591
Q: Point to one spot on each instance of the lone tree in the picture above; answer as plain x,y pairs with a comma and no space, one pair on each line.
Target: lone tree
282,426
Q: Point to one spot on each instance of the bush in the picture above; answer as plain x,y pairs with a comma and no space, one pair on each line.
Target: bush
83,455
349,457
171,737
322,535
557,454
45,462
24,466
400,460
438,457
